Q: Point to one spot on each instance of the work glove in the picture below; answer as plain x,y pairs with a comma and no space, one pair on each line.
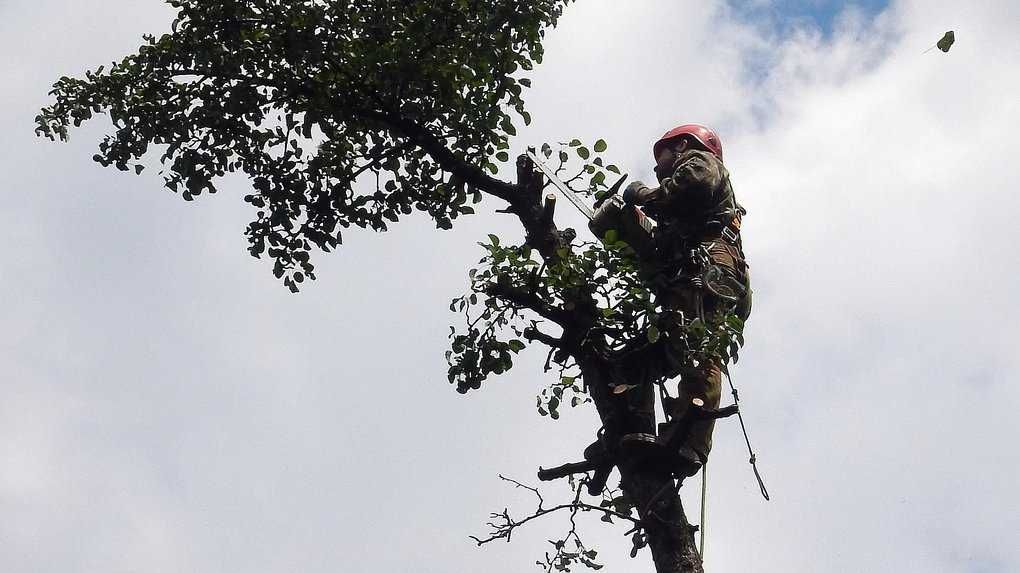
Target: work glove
632,195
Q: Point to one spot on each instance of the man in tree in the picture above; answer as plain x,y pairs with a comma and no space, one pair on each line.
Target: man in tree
697,268
358,114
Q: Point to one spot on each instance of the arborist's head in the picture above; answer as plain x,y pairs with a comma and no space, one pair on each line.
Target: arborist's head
677,140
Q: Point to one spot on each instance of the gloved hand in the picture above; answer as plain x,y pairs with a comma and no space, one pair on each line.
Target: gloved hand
632,195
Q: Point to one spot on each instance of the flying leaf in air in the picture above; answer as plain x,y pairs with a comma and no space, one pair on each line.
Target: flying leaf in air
945,43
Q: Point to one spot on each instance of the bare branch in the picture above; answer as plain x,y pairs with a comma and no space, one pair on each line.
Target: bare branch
503,525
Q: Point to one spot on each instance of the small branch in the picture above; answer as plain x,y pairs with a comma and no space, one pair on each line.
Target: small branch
548,209
533,334
568,469
471,174
726,412
526,299
504,530
695,411
527,487
503,525
529,181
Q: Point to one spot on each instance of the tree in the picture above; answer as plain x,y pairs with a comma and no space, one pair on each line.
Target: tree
360,112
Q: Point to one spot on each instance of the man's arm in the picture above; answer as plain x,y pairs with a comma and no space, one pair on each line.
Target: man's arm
696,176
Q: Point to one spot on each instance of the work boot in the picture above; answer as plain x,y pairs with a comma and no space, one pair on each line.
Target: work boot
683,462
643,446
687,462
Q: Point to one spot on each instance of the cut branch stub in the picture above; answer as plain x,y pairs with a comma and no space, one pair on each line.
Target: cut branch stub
535,215
548,210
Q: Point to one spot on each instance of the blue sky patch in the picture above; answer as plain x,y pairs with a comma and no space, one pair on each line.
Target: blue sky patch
787,14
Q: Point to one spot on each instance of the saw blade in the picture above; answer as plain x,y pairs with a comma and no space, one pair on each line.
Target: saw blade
567,192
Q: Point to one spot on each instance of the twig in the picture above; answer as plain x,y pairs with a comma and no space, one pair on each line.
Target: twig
503,525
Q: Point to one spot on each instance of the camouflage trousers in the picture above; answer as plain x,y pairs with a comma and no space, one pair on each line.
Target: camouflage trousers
702,381
667,360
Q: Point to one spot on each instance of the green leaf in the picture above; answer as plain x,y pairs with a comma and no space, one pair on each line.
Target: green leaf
600,146
583,152
508,126
947,41
653,333
301,142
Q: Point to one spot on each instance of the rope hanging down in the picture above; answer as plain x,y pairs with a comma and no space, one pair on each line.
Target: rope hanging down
743,428
704,511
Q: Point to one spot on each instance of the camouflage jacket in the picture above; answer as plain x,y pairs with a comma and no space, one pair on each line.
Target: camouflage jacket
695,206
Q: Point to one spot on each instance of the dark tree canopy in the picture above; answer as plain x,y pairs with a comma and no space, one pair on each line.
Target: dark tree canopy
310,98
359,112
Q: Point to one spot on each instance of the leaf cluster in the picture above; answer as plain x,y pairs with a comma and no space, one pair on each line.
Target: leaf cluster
340,112
512,288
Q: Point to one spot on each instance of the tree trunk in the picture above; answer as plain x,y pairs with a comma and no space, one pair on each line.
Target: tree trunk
649,487
670,537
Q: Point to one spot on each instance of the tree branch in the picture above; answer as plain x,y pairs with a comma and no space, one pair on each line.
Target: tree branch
533,334
524,298
437,149
504,528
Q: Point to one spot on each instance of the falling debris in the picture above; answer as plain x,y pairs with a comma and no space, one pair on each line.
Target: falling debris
945,43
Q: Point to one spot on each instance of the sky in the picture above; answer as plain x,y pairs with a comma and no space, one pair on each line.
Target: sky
168,406
789,15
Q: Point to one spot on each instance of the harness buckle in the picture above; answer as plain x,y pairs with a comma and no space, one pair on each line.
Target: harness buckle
730,234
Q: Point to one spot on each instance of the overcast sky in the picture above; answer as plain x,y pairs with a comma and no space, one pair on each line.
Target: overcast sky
166,405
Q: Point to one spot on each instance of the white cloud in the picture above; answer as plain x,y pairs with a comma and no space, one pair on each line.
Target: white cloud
172,399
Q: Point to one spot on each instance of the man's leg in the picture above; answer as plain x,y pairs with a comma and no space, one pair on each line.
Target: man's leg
704,383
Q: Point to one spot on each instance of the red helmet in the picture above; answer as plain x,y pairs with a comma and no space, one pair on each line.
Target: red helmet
704,135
